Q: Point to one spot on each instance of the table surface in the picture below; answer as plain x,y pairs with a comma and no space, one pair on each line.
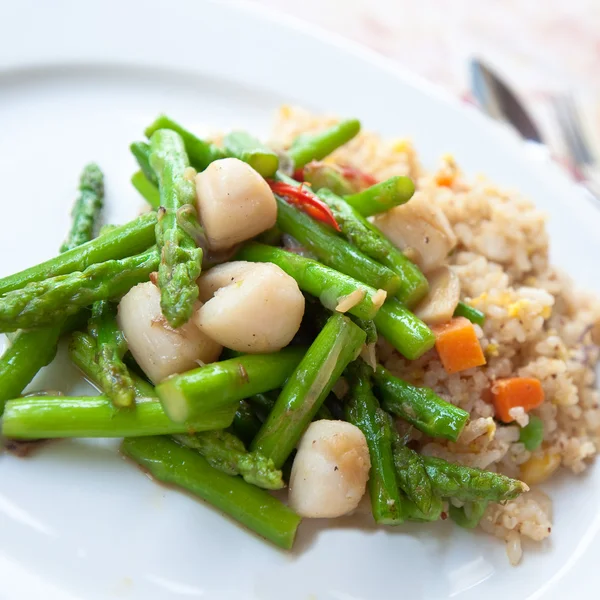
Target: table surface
539,47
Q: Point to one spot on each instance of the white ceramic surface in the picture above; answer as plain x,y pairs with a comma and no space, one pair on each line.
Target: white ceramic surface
78,82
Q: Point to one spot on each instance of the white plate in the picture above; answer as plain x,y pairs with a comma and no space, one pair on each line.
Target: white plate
78,82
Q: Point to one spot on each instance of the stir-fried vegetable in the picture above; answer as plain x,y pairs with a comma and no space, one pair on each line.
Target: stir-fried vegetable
188,396
532,435
306,201
316,146
362,410
255,508
87,208
122,242
338,344
457,345
331,287
180,258
421,407
382,196
513,392
368,239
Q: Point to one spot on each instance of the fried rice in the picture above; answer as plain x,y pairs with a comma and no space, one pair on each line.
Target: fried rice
536,325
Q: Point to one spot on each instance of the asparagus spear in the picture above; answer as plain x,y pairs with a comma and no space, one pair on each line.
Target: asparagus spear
337,344
28,353
126,240
316,146
412,475
403,330
470,485
180,259
200,153
36,417
469,515
225,383
247,148
362,410
382,196
115,380
420,406
46,302
141,151
373,243
327,284
412,513
333,250
474,315
87,207
147,189
171,463
225,452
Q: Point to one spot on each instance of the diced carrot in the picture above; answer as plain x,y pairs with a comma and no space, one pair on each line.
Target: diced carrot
516,391
457,344
444,180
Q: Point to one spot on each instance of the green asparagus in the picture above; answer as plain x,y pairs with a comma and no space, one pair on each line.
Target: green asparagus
412,475
333,250
316,146
37,417
470,485
382,196
223,384
469,515
147,189
403,330
28,352
420,406
224,451
337,344
115,380
141,151
87,207
124,241
180,259
328,285
172,463
46,302
368,239
200,153
362,410
247,148
474,315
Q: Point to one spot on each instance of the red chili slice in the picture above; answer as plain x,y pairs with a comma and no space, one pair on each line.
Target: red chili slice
306,201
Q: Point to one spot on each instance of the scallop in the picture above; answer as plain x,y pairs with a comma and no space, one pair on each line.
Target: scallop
159,349
330,471
421,229
234,203
249,307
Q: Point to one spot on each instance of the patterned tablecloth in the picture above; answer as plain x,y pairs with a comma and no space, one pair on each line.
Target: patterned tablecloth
541,48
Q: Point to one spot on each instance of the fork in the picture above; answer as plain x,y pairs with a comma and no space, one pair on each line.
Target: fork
581,159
